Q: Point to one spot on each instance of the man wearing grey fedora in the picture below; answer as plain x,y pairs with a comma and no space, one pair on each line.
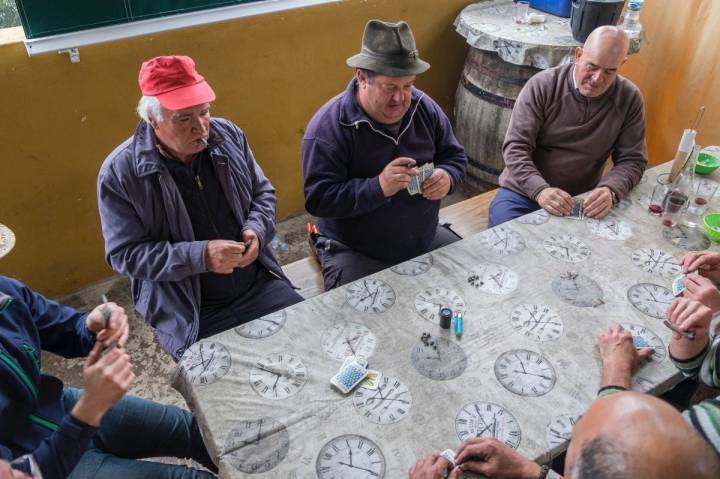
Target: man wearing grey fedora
361,152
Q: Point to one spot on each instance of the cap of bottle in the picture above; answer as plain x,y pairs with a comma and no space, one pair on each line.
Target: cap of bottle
445,318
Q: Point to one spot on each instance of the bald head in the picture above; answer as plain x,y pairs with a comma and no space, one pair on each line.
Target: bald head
608,40
597,62
638,436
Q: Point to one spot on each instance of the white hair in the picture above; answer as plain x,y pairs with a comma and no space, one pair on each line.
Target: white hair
150,107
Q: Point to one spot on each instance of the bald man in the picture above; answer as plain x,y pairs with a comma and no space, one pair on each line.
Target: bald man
623,434
566,122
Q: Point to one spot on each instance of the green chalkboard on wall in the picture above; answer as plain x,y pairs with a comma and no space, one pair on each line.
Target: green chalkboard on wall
42,18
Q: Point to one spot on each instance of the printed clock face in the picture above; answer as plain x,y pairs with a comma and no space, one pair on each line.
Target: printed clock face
257,446
387,404
537,321
486,419
494,279
502,241
566,248
536,218
641,384
610,228
350,457
370,296
429,302
560,429
655,261
646,338
524,372
438,358
7,240
278,376
689,239
650,299
415,266
345,339
205,362
578,290
263,327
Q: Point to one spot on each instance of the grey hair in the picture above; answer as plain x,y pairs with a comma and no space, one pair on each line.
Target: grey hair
150,107
601,458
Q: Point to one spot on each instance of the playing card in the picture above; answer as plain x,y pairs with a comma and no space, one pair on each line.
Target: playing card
678,285
577,212
424,172
372,380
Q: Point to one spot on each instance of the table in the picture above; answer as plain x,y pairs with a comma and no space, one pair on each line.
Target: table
535,293
503,55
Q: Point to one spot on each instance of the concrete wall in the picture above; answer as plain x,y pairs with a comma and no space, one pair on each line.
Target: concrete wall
270,73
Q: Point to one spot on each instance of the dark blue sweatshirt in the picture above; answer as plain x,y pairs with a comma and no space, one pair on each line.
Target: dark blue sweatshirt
32,416
344,151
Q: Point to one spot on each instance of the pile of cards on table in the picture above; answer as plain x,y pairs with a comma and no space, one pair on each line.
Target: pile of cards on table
424,172
577,212
353,372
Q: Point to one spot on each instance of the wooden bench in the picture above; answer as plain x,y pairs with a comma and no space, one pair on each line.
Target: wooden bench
467,218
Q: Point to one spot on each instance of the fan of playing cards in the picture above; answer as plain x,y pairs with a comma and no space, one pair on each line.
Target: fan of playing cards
424,173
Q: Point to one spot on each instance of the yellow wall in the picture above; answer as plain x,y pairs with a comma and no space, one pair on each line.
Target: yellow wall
678,72
270,74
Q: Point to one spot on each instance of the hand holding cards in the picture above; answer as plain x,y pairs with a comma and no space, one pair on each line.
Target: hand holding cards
424,172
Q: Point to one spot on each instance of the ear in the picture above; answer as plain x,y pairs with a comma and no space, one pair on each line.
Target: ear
361,78
153,123
578,53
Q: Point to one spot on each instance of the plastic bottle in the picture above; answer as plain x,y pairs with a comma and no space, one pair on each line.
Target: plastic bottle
278,245
631,22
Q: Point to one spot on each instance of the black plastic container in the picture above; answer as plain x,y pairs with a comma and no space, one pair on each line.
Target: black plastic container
587,15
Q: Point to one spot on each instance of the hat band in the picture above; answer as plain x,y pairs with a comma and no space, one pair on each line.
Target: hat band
412,55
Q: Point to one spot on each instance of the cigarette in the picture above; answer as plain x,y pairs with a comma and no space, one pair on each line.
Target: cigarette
105,312
106,320
685,334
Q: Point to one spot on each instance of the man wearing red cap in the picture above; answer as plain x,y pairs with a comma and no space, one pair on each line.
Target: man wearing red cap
188,214
361,157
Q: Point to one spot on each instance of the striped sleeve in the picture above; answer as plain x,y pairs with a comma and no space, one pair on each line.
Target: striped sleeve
705,418
705,366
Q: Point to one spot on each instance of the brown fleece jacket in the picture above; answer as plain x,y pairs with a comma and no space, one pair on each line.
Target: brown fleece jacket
558,137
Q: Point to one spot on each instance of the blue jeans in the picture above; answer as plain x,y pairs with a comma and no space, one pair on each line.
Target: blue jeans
508,205
137,428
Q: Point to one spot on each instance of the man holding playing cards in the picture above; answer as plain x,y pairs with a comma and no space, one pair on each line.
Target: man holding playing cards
566,122
377,160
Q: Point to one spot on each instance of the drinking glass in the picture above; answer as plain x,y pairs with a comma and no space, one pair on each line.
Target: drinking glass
673,206
521,11
657,199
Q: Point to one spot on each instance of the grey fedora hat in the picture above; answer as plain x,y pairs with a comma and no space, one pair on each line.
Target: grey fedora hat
388,49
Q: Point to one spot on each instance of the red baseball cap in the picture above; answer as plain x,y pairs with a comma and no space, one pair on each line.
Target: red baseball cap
174,81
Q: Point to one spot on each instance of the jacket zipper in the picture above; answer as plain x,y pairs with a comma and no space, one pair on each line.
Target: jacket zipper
207,208
356,124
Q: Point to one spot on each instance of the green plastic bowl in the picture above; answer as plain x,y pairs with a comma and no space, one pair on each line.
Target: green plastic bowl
706,164
712,226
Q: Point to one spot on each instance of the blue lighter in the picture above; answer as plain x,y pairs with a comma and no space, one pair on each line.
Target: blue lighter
458,324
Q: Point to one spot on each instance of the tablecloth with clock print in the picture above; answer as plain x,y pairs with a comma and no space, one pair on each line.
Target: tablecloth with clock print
534,293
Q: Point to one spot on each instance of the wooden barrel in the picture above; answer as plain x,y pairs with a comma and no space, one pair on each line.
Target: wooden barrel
485,97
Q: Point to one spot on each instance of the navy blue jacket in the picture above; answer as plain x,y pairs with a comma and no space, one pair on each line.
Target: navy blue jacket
32,416
149,236
344,151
